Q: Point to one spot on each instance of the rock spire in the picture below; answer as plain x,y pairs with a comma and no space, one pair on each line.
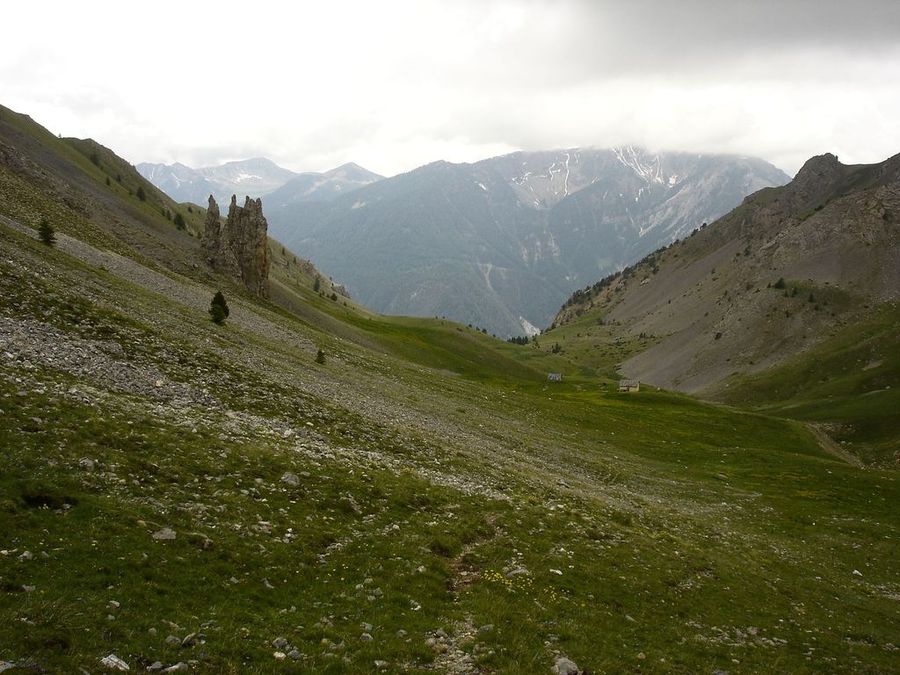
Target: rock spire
239,246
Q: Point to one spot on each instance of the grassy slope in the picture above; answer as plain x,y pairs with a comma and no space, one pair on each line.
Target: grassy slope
849,381
659,533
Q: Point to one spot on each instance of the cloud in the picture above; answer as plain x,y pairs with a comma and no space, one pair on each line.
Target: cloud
395,85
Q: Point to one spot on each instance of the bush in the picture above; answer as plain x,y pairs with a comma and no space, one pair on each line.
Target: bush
179,221
320,356
141,194
46,233
218,308
779,284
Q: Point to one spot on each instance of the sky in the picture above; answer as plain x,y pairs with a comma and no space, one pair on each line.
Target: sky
392,85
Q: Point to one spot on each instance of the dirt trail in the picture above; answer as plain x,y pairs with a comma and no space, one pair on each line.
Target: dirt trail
828,444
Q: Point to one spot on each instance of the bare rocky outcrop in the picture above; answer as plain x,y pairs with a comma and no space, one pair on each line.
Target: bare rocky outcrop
239,246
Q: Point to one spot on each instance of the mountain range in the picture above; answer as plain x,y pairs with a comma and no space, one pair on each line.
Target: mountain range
253,178
502,242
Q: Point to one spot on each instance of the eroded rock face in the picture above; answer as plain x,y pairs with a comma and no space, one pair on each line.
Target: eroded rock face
239,246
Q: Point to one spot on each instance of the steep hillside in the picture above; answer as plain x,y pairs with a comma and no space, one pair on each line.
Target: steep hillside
501,243
251,177
791,271
311,487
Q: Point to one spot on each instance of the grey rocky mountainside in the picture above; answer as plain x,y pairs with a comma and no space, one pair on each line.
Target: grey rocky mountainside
502,242
765,283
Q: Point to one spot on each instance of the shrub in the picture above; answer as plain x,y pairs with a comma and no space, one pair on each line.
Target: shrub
46,233
141,194
179,221
218,308
320,356
779,284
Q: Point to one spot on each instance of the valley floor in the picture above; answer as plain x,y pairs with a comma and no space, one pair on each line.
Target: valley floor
176,492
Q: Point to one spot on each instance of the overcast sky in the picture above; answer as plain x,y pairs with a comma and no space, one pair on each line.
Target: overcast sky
393,85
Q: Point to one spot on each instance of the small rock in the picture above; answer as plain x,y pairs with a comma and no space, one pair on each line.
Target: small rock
173,640
381,664
6,665
112,604
486,628
564,666
365,637
155,666
856,573
165,534
28,555
179,667
290,479
516,572
189,640
87,464
151,631
280,643
113,662
367,627
279,656
440,632
295,654
641,656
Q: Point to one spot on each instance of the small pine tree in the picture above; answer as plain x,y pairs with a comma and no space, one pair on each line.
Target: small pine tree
320,356
46,233
108,182
218,308
179,221
317,284
141,194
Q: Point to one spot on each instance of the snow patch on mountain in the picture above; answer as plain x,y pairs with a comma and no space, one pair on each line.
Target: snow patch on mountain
635,160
